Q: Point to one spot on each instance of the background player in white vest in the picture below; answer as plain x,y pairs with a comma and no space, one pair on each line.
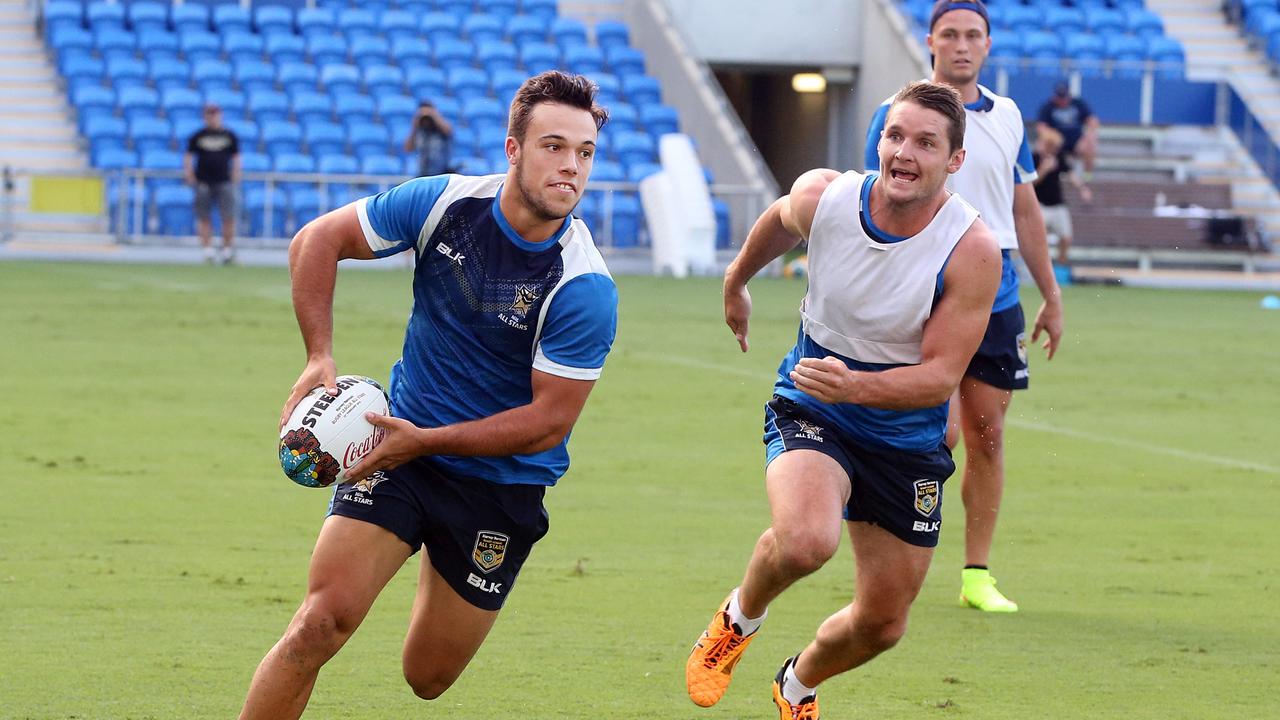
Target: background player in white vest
997,178
901,278
513,315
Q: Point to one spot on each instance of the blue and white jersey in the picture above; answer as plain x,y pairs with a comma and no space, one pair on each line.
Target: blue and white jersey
870,295
997,157
489,307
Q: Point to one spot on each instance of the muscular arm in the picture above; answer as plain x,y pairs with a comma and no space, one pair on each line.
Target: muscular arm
1034,248
951,336
778,229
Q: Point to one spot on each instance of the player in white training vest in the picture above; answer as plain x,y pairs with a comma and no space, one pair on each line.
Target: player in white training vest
997,178
901,278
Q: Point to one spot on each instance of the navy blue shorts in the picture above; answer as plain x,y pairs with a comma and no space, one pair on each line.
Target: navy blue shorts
1001,360
477,533
899,490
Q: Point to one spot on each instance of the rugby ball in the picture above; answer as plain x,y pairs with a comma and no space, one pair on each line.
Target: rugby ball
327,434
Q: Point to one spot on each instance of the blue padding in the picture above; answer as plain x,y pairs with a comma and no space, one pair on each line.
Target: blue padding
1182,102
1114,100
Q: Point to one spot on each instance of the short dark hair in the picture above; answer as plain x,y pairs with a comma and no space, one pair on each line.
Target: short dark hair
940,98
553,86
942,7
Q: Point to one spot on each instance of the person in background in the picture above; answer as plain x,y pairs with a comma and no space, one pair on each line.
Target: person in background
1051,166
211,165
1072,117
431,136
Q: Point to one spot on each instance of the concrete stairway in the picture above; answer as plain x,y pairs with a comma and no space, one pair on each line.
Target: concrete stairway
37,134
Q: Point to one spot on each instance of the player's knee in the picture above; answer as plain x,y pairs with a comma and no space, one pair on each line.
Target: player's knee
803,551
882,632
318,630
426,684
987,436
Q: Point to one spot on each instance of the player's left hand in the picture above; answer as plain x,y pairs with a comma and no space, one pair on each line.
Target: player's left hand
1049,321
399,447
828,379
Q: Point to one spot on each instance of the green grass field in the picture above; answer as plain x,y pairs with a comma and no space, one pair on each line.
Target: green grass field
151,551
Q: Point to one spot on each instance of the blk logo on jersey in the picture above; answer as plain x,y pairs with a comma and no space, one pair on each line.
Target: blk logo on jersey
927,492
449,252
490,548
809,431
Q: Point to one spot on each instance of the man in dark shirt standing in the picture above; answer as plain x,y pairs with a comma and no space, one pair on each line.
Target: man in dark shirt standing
212,167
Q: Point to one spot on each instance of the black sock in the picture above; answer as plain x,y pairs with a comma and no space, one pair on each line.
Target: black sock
975,567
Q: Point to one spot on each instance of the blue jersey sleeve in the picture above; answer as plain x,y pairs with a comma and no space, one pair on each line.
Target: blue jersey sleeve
871,156
1024,168
392,220
579,328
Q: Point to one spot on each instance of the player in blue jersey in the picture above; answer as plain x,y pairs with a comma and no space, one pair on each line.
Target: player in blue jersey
513,315
997,177
901,278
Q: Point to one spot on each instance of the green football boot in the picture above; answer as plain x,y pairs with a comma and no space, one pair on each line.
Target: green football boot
978,590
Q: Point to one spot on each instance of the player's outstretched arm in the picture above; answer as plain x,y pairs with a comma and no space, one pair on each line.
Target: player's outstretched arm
313,269
780,228
540,425
1028,221
951,336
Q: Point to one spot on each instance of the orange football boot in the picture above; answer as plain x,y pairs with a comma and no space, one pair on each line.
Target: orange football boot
710,666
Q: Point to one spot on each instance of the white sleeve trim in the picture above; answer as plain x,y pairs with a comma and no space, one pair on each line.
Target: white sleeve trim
376,242
551,367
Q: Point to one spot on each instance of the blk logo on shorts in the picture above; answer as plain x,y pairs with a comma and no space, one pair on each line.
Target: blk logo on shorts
926,496
490,548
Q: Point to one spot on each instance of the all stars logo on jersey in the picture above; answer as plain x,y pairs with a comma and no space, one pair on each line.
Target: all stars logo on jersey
526,296
367,484
927,492
809,431
490,548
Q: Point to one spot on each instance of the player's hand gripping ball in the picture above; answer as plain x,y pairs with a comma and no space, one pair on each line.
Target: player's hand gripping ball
327,434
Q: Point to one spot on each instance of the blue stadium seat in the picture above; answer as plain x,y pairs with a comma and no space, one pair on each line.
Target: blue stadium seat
199,46
293,162
439,26
1127,54
449,107
247,133
101,14
380,165
285,47
254,75
280,136
526,28
317,21
268,107
338,193
659,119
338,165
339,78
60,14
1143,22
175,210
136,102
505,83
609,88
113,159
1044,49
724,229
1020,19
608,171
1087,51
545,9
355,107
105,132
624,61
296,77
273,18
537,57
370,50
324,137
494,55
211,74
425,82
501,8
232,102
133,196
396,111
150,133
148,17
584,59
179,103
626,220
482,27
1006,51
409,51
472,166
634,147
641,89
66,38
623,117
1169,57
257,200
127,72
239,45
310,106
162,159
640,171
183,129
231,17
367,138
77,65
189,17
326,49
1104,20
252,161
568,32
305,205
612,34
398,24
114,42
158,46
481,111
467,82
454,53
357,22
90,98
1064,20
383,79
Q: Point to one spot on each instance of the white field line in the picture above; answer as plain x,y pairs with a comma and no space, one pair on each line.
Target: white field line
1155,449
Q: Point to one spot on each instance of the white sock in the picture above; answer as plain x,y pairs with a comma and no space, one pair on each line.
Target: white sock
745,624
792,689
209,253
